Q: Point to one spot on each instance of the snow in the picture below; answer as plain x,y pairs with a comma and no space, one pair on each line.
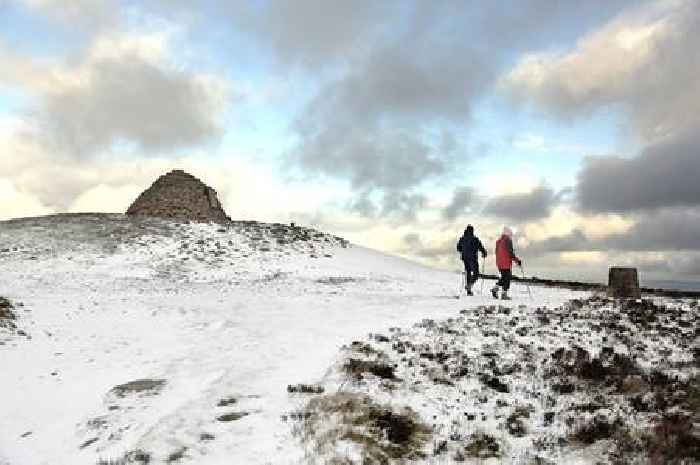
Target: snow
217,313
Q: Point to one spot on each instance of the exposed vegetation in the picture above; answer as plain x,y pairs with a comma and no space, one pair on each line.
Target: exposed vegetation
377,433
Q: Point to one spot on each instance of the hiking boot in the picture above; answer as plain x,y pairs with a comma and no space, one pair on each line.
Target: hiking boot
504,296
469,291
494,292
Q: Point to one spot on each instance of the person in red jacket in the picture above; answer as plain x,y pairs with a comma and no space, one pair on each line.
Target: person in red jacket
505,256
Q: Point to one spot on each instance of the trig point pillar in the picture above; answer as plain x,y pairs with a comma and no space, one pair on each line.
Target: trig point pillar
623,283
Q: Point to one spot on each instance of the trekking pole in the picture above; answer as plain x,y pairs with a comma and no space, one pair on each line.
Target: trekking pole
522,271
461,284
483,273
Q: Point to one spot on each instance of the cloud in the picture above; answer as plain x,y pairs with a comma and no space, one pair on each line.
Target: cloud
18,204
645,60
404,205
438,251
665,174
121,91
575,241
390,75
134,101
666,230
369,159
312,32
530,206
462,198
90,14
689,265
393,205
371,125
105,198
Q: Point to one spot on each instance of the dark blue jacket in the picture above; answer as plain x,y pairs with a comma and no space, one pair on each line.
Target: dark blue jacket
469,246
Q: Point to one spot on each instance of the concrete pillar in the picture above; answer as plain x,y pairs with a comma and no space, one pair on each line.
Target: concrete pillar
623,283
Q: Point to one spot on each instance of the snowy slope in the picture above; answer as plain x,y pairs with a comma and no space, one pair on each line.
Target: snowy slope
218,320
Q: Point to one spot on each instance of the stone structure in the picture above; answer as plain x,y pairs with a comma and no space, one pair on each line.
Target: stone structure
623,283
181,196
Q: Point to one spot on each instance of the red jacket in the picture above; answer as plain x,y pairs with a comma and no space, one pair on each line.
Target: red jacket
504,253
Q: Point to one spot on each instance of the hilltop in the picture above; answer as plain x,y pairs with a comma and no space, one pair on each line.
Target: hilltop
143,340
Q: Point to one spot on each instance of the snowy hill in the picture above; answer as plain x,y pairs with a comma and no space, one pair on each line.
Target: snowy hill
143,341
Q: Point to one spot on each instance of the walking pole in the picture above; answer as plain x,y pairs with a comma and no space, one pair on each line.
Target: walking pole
522,271
483,272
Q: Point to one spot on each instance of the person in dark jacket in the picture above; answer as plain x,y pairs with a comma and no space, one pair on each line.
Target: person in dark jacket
505,256
469,246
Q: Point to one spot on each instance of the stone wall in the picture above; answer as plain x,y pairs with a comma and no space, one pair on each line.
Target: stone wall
181,196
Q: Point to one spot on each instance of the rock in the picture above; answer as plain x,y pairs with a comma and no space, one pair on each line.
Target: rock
180,196
623,283
233,416
139,386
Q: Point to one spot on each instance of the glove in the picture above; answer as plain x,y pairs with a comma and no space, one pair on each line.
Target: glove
519,262
484,254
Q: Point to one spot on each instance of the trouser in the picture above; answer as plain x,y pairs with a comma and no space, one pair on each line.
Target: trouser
506,276
471,270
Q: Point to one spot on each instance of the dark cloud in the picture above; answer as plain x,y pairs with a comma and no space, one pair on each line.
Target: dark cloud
665,174
369,159
128,99
416,247
368,127
312,32
648,66
317,32
390,204
399,71
462,198
574,241
530,206
667,230
689,265
664,230
404,205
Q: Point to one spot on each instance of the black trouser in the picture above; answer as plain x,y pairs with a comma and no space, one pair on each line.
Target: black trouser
471,269
506,276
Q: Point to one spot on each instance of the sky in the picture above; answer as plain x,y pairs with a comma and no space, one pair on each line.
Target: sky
393,124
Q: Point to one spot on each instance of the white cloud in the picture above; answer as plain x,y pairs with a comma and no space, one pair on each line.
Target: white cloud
564,220
105,198
645,60
17,204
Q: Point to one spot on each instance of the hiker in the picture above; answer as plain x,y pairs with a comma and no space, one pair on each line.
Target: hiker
505,256
469,245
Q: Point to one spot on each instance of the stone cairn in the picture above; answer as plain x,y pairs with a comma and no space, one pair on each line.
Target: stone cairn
623,283
179,195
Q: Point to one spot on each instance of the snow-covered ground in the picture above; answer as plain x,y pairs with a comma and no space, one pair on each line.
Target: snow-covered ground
180,340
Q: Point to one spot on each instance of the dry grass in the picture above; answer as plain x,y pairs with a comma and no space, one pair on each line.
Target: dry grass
375,434
359,368
135,457
482,446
